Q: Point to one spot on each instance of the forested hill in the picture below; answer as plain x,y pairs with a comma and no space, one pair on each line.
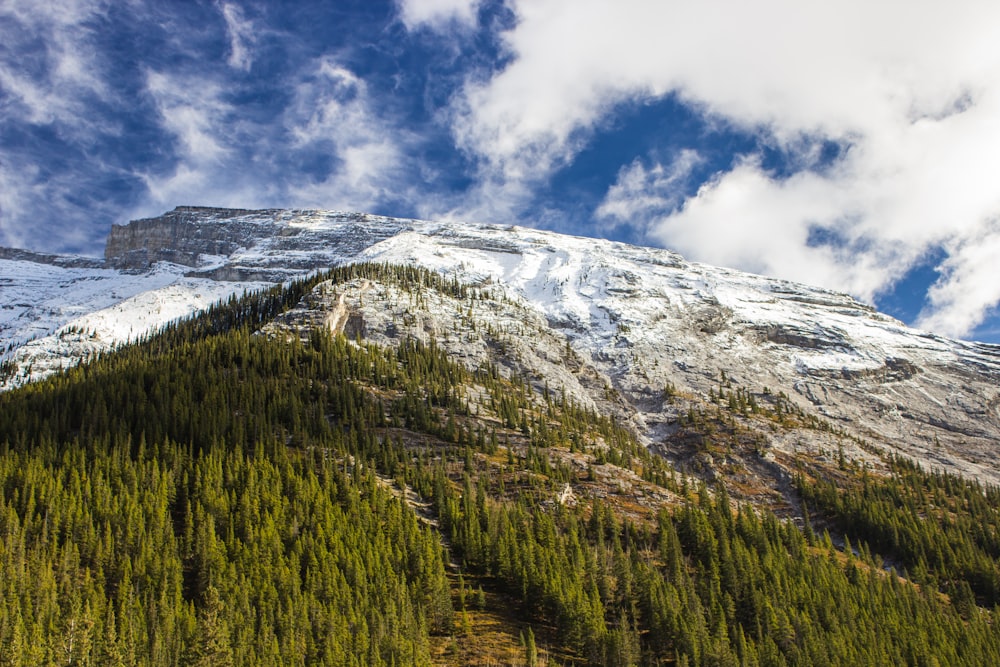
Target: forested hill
231,493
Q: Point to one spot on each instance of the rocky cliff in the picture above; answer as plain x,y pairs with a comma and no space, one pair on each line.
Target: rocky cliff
236,244
185,234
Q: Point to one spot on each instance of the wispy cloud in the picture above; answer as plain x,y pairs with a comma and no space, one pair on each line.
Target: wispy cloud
202,148
40,210
52,80
57,83
242,35
908,90
328,147
18,191
641,192
192,110
332,115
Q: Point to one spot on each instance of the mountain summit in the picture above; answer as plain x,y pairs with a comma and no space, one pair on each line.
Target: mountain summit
778,369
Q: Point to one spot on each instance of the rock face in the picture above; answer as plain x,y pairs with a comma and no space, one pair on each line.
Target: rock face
635,332
183,235
236,244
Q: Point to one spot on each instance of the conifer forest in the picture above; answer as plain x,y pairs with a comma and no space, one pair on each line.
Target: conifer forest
219,495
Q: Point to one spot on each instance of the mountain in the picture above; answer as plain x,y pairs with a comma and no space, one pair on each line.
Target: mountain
636,332
408,442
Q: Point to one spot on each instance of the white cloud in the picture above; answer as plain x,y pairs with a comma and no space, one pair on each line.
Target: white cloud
913,88
242,35
962,298
438,14
191,109
18,191
39,210
332,113
224,158
51,77
747,219
199,144
210,161
640,192
55,71
66,77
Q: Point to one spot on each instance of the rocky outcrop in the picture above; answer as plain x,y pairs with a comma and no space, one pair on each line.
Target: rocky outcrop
812,339
262,245
184,234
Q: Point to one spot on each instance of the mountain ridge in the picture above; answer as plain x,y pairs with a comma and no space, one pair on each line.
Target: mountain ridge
640,323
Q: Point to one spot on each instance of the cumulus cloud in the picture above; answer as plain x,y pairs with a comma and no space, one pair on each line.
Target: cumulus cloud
963,298
747,219
909,90
438,14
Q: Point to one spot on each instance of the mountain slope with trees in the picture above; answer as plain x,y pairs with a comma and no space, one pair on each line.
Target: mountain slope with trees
218,495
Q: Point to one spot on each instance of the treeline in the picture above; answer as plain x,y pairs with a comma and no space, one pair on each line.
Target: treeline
210,497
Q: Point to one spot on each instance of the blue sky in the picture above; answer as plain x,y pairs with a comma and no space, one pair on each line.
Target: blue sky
853,145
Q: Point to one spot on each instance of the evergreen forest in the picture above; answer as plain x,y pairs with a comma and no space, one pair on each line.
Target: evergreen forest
214,495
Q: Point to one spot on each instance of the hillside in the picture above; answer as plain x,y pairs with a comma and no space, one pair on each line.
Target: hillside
286,479
639,333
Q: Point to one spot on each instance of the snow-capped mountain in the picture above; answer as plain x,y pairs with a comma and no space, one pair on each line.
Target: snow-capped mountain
639,332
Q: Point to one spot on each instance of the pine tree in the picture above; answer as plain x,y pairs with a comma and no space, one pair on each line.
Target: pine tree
212,643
